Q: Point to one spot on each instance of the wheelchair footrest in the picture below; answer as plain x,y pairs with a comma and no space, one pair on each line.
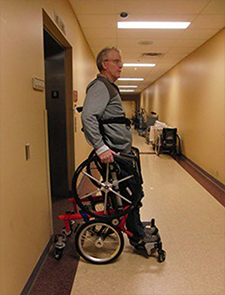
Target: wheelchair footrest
152,241
151,238
150,248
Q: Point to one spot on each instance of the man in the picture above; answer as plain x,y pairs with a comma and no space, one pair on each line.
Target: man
103,103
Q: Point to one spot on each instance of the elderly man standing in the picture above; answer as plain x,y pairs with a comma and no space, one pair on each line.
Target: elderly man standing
103,103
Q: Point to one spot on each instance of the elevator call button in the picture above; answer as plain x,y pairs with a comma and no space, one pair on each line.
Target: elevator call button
55,94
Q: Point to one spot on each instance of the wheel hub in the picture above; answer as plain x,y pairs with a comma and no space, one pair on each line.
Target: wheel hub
99,243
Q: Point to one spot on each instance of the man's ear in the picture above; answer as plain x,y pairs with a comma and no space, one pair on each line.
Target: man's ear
104,65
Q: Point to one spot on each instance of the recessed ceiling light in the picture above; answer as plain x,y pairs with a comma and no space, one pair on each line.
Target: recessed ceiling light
127,86
152,25
138,65
127,90
131,79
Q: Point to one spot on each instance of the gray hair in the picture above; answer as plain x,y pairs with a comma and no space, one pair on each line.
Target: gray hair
103,54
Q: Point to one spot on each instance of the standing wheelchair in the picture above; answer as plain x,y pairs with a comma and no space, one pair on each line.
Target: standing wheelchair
103,196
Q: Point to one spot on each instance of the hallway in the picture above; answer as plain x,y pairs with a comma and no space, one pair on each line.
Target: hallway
191,224
184,88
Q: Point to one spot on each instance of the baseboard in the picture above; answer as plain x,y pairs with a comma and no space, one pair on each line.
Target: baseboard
211,184
37,269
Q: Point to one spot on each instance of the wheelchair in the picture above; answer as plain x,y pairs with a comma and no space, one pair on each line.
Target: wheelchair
103,196
168,142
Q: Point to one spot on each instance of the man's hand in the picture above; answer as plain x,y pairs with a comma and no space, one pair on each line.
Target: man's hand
107,156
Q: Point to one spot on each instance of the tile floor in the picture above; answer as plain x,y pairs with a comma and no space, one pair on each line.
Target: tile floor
192,228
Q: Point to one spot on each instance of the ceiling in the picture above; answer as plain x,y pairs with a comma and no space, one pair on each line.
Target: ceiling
98,20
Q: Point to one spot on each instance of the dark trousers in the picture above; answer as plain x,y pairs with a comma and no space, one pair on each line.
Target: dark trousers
133,222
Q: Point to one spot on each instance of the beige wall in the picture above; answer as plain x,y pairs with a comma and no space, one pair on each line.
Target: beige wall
192,97
25,216
129,108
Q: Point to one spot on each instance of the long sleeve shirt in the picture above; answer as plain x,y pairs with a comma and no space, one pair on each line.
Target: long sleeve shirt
103,101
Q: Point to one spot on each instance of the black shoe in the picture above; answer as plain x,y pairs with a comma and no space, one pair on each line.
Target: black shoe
137,243
150,230
151,235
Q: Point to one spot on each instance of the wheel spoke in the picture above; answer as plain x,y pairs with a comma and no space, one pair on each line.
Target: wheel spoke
97,192
90,194
85,238
98,242
105,202
119,195
107,173
90,176
125,178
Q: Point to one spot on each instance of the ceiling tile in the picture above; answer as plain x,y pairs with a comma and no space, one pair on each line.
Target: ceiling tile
155,42
215,7
189,42
93,6
181,49
198,34
148,34
208,22
97,21
99,33
156,7
157,17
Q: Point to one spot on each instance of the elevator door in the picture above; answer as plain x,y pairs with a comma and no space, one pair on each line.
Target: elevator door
56,111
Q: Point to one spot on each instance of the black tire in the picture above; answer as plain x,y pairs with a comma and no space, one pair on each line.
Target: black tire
58,253
95,193
161,256
158,146
93,158
99,242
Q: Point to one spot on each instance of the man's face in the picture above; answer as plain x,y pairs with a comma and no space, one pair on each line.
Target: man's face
113,65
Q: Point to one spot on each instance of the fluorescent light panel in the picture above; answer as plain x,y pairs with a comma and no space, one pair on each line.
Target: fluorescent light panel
138,65
152,25
127,90
127,86
131,79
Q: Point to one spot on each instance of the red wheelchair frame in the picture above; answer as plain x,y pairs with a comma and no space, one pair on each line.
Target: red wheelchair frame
72,216
101,229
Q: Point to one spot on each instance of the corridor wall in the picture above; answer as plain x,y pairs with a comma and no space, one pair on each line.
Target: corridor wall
25,207
191,96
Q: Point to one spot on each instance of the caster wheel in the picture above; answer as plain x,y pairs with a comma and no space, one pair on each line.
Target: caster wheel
161,256
58,253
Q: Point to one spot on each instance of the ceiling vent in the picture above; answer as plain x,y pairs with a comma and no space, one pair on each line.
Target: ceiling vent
151,54
145,42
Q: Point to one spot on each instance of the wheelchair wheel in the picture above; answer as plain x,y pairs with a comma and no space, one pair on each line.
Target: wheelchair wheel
99,242
96,189
158,145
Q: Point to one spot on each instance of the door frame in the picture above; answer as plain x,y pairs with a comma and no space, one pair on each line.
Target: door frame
53,30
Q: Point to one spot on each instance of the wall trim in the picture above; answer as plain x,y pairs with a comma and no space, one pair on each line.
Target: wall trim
211,184
37,269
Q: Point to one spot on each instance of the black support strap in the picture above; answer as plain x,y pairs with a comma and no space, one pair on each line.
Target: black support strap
116,120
